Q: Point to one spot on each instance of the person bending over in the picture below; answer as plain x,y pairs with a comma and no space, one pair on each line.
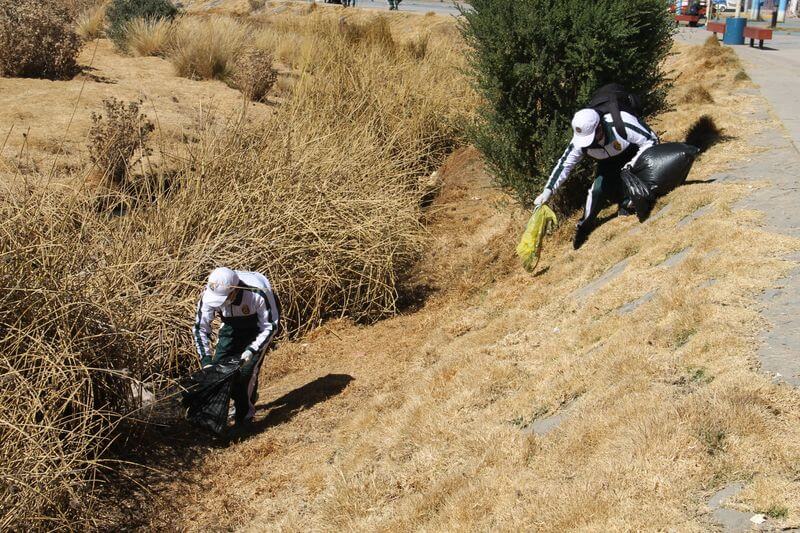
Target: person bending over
250,315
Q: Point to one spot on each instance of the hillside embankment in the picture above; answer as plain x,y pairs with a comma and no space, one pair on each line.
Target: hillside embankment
616,388
115,207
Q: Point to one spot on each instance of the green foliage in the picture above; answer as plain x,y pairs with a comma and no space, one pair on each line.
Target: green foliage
714,440
699,375
121,12
777,512
535,62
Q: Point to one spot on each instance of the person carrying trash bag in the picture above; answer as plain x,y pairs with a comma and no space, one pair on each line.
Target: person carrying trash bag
609,132
250,315
207,394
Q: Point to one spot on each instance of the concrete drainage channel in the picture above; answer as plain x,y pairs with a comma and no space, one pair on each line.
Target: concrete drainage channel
732,521
543,426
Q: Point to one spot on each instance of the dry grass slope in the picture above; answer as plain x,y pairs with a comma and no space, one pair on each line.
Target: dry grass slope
660,405
322,195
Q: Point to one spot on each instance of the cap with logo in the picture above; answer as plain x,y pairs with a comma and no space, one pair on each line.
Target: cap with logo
221,283
584,124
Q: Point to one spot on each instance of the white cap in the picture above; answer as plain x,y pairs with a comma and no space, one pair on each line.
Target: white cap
584,123
221,283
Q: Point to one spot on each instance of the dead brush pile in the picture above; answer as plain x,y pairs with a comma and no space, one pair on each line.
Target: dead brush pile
37,39
323,197
254,74
695,63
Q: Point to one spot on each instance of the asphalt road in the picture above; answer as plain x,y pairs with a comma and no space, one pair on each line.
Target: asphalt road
444,7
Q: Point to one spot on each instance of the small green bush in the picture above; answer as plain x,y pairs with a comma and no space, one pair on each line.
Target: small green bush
121,12
37,40
535,62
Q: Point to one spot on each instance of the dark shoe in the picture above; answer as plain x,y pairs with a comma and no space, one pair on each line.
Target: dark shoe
643,210
241,428
582,231
626,208
244,422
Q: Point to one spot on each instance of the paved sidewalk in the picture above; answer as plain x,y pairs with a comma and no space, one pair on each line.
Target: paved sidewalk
775,69
777,73
443,7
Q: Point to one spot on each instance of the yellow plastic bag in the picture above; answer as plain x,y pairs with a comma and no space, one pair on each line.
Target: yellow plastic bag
542,221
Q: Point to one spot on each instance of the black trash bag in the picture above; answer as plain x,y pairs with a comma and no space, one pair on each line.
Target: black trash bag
638,193
665,166
207,394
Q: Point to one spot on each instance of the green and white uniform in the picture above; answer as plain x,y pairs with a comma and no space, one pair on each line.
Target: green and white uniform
248,324
614,154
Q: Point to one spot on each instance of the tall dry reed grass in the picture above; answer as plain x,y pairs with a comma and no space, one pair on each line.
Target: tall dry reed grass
322,196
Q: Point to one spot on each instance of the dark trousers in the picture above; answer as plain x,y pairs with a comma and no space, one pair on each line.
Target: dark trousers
233,342
608,187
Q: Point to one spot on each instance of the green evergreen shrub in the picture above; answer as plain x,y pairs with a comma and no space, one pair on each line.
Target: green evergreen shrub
536,62
121,12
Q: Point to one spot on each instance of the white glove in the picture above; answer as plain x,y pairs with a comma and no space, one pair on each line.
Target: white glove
542,198
247,355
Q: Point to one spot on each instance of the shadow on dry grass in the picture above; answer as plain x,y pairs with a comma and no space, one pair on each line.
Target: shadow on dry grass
284,408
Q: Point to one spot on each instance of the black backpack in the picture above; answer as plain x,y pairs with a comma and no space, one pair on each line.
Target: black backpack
614,98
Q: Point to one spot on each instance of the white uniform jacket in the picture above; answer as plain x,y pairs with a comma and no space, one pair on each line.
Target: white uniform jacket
638,134
257,303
